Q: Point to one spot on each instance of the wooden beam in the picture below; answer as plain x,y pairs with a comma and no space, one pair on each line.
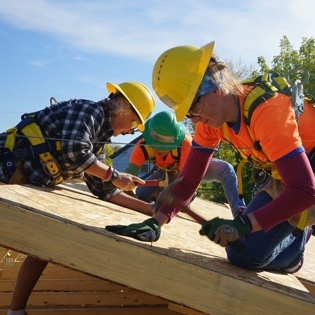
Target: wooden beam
143,310
180,271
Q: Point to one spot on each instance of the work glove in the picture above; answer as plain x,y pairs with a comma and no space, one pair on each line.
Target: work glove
147,231
223,231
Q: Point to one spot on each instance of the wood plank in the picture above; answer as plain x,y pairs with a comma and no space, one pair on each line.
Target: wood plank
63,287
8,272
146,310
170,268
66,285
183,310
76,299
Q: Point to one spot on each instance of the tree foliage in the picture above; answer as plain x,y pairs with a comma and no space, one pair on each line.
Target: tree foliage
289,59
110,149
214,190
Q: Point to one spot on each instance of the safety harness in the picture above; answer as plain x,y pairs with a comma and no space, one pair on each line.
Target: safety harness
37,147
264,87
149,155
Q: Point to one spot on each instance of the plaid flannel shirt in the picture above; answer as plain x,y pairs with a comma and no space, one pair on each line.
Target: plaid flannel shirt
84,127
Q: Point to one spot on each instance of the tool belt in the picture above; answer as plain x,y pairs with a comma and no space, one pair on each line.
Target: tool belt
37,148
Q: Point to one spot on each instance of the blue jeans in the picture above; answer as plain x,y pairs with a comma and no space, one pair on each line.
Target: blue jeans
149,193
275,249
223,172
218,171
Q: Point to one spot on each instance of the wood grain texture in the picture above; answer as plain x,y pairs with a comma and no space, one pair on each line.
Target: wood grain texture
65,225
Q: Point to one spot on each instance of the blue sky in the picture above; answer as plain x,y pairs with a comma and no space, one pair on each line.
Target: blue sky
71,48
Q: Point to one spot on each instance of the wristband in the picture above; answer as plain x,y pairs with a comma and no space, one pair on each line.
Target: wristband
109,174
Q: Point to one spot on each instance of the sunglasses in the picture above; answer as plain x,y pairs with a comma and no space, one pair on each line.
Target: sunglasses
191,113
207,85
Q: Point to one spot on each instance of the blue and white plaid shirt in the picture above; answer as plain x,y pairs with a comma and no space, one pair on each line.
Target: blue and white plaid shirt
84,127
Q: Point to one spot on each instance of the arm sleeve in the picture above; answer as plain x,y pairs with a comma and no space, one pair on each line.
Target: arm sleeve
192,174
298,195
184,154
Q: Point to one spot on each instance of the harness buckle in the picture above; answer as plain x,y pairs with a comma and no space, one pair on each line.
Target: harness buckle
297,89
298,97
51,167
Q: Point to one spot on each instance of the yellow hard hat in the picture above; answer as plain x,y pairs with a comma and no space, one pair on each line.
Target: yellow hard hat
177,74
138,95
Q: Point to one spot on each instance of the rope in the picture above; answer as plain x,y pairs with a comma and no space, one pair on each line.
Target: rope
116,143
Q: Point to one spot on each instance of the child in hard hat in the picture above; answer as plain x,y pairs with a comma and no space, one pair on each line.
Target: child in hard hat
71,136
166,144
214,101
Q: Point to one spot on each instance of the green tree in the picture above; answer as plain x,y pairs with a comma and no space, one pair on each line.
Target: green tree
214,190
110,149
289,59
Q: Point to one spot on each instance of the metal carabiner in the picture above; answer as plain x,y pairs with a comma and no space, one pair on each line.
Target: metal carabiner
306,74
51,100
297,97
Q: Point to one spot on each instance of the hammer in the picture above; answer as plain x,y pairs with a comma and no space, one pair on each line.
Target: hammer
156,182
166,197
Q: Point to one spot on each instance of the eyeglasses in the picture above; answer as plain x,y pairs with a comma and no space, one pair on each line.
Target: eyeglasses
133,124
191,113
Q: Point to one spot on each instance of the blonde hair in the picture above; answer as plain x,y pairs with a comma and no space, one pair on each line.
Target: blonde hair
227,82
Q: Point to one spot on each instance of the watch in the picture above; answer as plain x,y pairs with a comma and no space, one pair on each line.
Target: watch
115,174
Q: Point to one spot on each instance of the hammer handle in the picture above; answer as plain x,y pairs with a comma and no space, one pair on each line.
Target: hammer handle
150,182
237,245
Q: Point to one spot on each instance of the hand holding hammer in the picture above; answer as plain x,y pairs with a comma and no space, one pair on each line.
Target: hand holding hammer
223,232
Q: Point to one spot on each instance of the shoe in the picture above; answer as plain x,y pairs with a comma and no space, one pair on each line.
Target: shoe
299,265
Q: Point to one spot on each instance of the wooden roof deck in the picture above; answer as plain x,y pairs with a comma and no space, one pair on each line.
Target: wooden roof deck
182,273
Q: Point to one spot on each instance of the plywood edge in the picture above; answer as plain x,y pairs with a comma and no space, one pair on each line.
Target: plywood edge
137,265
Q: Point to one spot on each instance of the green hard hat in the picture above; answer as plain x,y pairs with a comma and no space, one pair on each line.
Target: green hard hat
163,132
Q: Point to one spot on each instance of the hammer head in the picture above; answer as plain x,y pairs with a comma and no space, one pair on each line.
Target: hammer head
165,195
164,182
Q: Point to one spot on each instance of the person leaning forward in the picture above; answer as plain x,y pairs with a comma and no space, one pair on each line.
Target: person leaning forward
79,129
166,144
214,100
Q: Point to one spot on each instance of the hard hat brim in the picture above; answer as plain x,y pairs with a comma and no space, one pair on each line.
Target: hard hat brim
157,145
206,52
114,88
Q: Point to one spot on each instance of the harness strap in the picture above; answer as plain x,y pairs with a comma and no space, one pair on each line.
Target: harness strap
40,147
299,228
149,155
265,87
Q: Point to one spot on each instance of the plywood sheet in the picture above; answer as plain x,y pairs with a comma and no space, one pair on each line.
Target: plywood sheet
66,225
